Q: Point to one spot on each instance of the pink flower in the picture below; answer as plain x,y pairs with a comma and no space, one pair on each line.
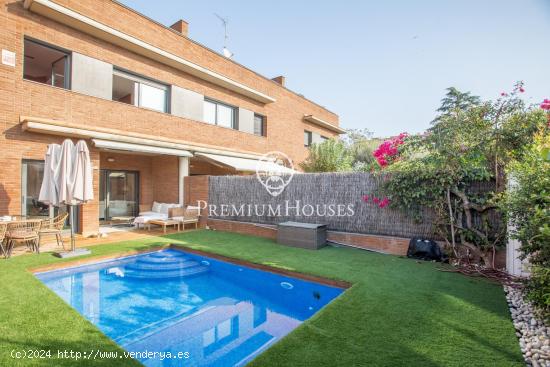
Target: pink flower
545,105
503,94
521,90
375,200
365,198
384,203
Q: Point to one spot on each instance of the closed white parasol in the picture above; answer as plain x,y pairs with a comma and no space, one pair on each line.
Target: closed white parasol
48,191
68,180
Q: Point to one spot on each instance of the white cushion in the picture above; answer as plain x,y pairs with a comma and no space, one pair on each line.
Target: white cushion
146,218
164,208
156,207
141,214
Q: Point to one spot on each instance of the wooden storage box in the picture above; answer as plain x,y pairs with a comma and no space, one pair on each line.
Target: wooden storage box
304,235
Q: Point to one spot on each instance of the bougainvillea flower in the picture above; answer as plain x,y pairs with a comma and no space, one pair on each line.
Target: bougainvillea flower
365,198
521,90
545,105
503,94
384,203
388,149
375,200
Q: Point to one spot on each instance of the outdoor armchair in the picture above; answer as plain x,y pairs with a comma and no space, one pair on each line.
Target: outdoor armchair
54,227
191,214
23,232
3,230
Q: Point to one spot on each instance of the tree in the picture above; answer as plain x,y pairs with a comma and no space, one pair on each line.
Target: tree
456,100
329,156
361,145
465,144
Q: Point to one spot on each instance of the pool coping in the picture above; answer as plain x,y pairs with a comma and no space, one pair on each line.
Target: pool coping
271,269
94,259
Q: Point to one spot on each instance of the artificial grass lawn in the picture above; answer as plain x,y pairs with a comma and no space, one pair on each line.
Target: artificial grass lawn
398,311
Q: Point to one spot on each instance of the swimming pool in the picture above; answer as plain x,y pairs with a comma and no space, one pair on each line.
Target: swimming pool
211,312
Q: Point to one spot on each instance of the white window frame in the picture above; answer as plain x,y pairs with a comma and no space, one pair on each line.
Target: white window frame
141,80
234,115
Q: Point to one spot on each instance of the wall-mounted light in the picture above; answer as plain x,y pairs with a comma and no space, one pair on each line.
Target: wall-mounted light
110,159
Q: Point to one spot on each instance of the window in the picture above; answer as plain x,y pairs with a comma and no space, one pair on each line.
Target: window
217,113
259,125
45,64
32,173
307,138
137,91
323,138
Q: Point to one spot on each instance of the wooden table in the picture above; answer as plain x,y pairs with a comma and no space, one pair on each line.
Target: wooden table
121,220
164,223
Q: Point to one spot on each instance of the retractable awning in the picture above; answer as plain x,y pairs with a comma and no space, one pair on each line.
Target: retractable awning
117,145
244,164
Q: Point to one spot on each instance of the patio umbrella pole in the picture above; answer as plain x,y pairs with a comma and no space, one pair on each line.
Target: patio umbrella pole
74,251
73,245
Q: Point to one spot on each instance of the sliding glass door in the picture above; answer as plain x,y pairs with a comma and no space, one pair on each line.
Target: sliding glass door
118,194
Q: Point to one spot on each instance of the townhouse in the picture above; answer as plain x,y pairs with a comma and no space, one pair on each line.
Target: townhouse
153,105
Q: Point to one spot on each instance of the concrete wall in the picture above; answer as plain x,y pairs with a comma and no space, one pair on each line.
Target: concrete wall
186,103
316,138
91,76
246,120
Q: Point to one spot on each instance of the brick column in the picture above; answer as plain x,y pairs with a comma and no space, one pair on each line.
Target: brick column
89,212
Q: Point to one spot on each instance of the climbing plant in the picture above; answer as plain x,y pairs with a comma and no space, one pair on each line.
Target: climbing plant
470,142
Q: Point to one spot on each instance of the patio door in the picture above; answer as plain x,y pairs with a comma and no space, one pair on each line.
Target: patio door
118,194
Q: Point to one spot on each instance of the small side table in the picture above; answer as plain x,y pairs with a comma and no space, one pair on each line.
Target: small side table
121,220
164,223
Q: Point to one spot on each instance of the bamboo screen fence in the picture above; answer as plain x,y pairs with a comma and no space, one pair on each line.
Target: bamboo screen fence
320,190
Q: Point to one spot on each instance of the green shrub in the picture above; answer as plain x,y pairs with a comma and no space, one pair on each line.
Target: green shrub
527,205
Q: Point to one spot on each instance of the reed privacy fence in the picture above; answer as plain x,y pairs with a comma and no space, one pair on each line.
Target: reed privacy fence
312,198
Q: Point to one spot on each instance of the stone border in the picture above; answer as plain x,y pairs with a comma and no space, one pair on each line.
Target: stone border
532,333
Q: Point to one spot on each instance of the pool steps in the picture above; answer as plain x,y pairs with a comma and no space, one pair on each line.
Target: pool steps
162,266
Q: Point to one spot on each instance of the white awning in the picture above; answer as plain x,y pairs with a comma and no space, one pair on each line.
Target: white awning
244,164
117,145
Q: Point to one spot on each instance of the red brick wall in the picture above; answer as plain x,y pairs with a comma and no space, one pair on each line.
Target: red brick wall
196,189
385,244
243,228
165,171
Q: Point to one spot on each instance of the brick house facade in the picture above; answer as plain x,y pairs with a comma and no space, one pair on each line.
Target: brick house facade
209,104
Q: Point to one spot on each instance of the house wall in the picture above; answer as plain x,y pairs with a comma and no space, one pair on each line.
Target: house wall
165,179
88,105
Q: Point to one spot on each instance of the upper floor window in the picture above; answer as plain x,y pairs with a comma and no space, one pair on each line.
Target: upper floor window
323,138
307,138
217,113
259,122
138,91
46,64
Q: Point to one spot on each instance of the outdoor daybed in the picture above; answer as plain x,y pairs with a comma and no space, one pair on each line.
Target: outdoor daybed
159,211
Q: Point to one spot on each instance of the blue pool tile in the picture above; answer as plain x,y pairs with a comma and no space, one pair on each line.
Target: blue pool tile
220,313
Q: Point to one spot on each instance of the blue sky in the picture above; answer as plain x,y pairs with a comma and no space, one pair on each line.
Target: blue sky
380,65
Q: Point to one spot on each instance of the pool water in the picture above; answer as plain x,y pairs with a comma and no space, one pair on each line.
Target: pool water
212,312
